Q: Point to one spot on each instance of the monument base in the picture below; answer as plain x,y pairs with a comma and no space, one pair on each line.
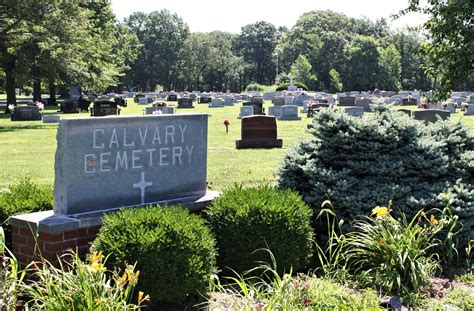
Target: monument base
49,235
258,143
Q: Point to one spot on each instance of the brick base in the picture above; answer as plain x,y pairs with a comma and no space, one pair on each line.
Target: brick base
29,244
47,235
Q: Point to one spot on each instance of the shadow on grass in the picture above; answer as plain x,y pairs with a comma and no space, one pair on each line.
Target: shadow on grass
19,126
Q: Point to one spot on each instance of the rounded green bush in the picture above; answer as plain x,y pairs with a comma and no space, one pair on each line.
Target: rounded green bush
255,87
174,251
359,163
246,220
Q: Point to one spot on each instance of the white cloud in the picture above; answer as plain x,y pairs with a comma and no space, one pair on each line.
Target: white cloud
209,15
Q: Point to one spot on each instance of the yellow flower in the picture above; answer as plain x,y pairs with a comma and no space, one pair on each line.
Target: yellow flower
382,242
142,299
380,212
96,266
433,220
123,280
96,257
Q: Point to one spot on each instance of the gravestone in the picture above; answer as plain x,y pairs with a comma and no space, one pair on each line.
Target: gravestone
409,101
104,107
163,109
346,101
69,106
204,99
26,113
257,107
257,99
430,115
172,97
50,118
278,101
245,97
364,103
258,132
143,100
405,111
185,103
274,111
288,100
354,111
469,110
300,99
228,101
450,108
137,97
393,100
289,113
216,103
128,161
75,92
268,95
246,111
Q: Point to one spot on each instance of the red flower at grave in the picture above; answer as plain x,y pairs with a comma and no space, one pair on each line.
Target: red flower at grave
226,122
307,301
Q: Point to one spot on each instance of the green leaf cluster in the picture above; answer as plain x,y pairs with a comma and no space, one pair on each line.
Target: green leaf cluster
173,250
245,221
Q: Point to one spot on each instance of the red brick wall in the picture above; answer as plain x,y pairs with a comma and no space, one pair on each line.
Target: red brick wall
27,245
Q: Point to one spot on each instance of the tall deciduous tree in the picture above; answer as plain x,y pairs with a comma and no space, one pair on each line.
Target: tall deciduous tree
256,44
162,35
302,71
363,70
390,68
451,41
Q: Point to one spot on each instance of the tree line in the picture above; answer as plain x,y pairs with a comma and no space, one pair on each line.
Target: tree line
52,44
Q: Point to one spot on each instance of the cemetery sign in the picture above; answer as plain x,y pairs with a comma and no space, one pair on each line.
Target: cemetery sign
117,162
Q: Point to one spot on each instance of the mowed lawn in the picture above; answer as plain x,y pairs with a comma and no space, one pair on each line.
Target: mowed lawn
27,149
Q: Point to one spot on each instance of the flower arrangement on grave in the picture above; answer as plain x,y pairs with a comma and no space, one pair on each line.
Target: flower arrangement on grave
157,112
226,123
40,105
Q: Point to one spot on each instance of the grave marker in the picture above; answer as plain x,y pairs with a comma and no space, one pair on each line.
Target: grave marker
259,132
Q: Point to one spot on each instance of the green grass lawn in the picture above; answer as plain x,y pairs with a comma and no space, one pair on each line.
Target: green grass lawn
27,148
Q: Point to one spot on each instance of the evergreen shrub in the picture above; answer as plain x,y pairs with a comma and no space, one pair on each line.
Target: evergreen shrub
255,87
173,250
359,163
23,197
245,221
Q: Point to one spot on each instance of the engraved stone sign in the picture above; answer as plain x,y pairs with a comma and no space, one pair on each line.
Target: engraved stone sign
127,161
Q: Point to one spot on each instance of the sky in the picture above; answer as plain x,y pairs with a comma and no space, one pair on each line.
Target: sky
230,16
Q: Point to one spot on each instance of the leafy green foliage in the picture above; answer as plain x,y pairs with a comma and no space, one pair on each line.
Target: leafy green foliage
358,163
246,220
393,254
174,251
23,197
449,47
287,292
81,285
255,87
302,71
391,69
335,84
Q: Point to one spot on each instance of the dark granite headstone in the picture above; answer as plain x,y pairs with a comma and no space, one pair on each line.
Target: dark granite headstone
185,103
104,107
257,99
347,101
278,101
430,115
137,97
259,132
70,106
26,113
172,98
205,99
409,101
257,107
